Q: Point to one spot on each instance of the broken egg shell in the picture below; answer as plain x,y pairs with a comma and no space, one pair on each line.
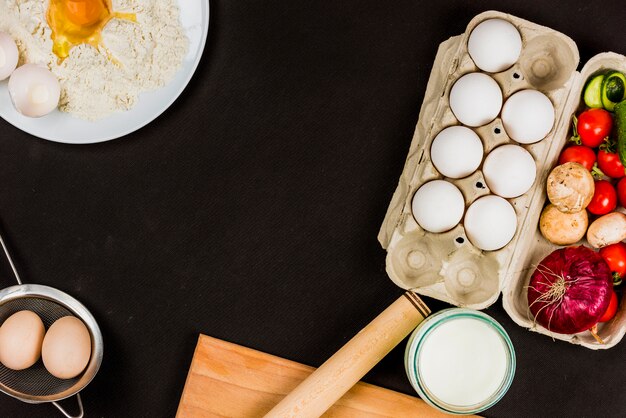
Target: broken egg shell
34,90
9,55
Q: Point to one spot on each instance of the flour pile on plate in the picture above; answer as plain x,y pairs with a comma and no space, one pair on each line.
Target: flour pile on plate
95,82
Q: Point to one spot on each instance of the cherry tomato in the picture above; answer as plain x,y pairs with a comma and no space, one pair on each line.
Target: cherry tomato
593,126
610,164
621,192
611,310
604,198
615,257
578,154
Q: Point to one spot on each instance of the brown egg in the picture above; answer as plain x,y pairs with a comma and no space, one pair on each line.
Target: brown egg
66,348
21,336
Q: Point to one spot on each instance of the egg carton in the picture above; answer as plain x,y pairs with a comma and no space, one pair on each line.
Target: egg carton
446,266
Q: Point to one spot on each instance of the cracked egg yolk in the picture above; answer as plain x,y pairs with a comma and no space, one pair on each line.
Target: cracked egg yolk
75,22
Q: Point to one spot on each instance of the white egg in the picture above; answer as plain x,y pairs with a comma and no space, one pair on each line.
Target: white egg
475,99
8,55
456,152
509,171
494,45
490,223
528,116
438,206
34,90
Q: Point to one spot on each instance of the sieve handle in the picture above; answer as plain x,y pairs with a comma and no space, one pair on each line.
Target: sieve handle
81,412
10,260
346,367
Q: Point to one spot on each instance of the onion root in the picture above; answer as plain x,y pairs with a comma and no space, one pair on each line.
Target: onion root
594,331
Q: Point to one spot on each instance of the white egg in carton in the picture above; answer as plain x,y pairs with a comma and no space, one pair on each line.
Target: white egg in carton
449,265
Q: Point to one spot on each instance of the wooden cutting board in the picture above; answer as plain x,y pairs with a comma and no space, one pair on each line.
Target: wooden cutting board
227,380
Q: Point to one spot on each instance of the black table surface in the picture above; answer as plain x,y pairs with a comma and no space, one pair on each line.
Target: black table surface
249,210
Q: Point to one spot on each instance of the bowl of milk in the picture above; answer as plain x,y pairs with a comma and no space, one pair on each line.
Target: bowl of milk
460,361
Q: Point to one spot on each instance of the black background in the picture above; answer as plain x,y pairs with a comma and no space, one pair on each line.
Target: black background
249,210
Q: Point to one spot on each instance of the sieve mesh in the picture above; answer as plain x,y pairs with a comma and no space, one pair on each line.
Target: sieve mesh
36,380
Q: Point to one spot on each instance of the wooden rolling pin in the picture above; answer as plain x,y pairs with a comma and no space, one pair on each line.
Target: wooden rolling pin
338,374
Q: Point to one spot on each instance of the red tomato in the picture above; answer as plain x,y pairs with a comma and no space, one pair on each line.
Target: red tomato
610,164
578,154
611,310
604,198
621,192
615,257
593,126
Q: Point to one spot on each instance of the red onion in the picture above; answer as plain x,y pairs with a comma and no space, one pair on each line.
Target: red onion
570,290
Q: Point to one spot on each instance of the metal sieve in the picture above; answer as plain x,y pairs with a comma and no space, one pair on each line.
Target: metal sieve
36,384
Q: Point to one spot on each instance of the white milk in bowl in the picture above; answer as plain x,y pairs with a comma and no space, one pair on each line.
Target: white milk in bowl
460,361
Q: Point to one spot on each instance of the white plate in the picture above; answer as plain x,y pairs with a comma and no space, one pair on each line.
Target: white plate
62,127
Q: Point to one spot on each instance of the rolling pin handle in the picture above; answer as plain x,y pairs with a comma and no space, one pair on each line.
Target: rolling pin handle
317,393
